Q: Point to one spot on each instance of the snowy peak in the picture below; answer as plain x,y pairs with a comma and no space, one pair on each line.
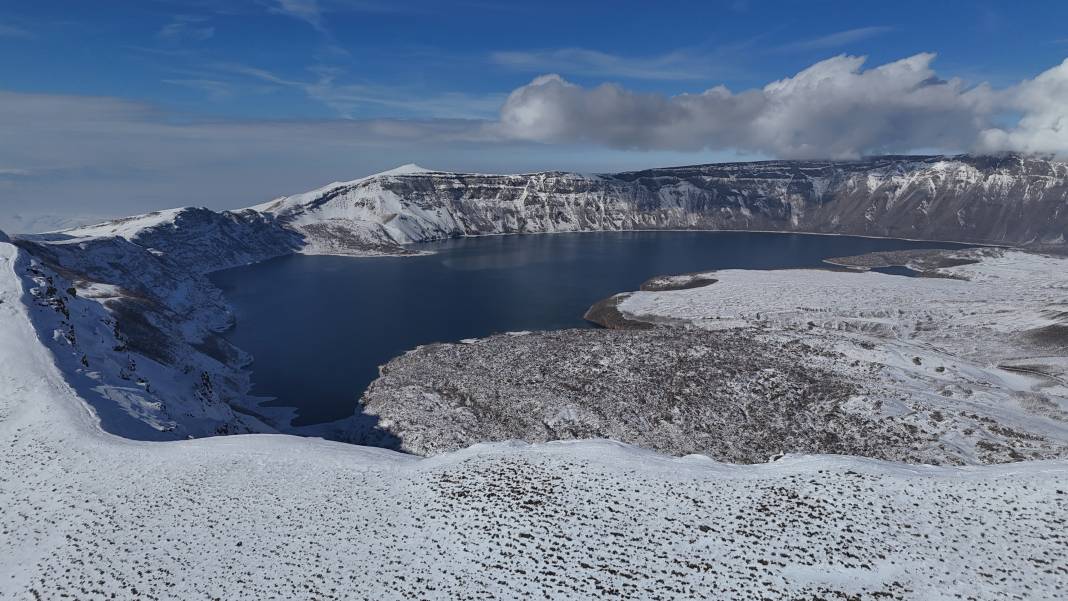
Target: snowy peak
406,169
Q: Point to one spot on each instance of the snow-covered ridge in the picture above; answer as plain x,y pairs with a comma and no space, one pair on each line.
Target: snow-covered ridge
973,199
1012,200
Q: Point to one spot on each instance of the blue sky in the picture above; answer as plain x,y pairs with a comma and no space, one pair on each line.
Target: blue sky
460,59
265,97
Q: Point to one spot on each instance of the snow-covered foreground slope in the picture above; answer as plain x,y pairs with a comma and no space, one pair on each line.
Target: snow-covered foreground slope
87,515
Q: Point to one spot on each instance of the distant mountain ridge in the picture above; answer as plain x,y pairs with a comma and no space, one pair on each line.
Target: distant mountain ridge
1010,200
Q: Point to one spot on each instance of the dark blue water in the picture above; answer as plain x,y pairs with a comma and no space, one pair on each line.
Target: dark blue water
319,327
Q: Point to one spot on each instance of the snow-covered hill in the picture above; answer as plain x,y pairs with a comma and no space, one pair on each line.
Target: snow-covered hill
87,515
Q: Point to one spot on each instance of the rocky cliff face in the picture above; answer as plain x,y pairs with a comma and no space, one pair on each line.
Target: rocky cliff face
1010,200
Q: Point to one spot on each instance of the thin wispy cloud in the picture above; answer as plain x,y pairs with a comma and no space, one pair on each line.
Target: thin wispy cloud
677,65
256,73
10,31
212,88
303,10
837,39
351,100
314,12
689,63
186,28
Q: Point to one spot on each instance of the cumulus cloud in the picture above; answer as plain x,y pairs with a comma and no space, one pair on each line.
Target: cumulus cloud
1043,125
835,108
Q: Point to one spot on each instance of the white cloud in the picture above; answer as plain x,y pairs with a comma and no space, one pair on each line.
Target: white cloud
1043,125
835,108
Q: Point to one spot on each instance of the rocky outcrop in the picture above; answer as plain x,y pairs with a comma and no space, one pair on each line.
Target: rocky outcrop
734,395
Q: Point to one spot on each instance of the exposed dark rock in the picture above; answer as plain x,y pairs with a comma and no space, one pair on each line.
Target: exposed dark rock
606,314
727,394
1053,335
923,261
687,281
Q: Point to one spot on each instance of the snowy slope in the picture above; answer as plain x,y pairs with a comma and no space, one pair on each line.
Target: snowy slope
93,516
146,371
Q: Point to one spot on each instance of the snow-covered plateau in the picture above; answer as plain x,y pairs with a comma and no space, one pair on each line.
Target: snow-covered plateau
114,379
